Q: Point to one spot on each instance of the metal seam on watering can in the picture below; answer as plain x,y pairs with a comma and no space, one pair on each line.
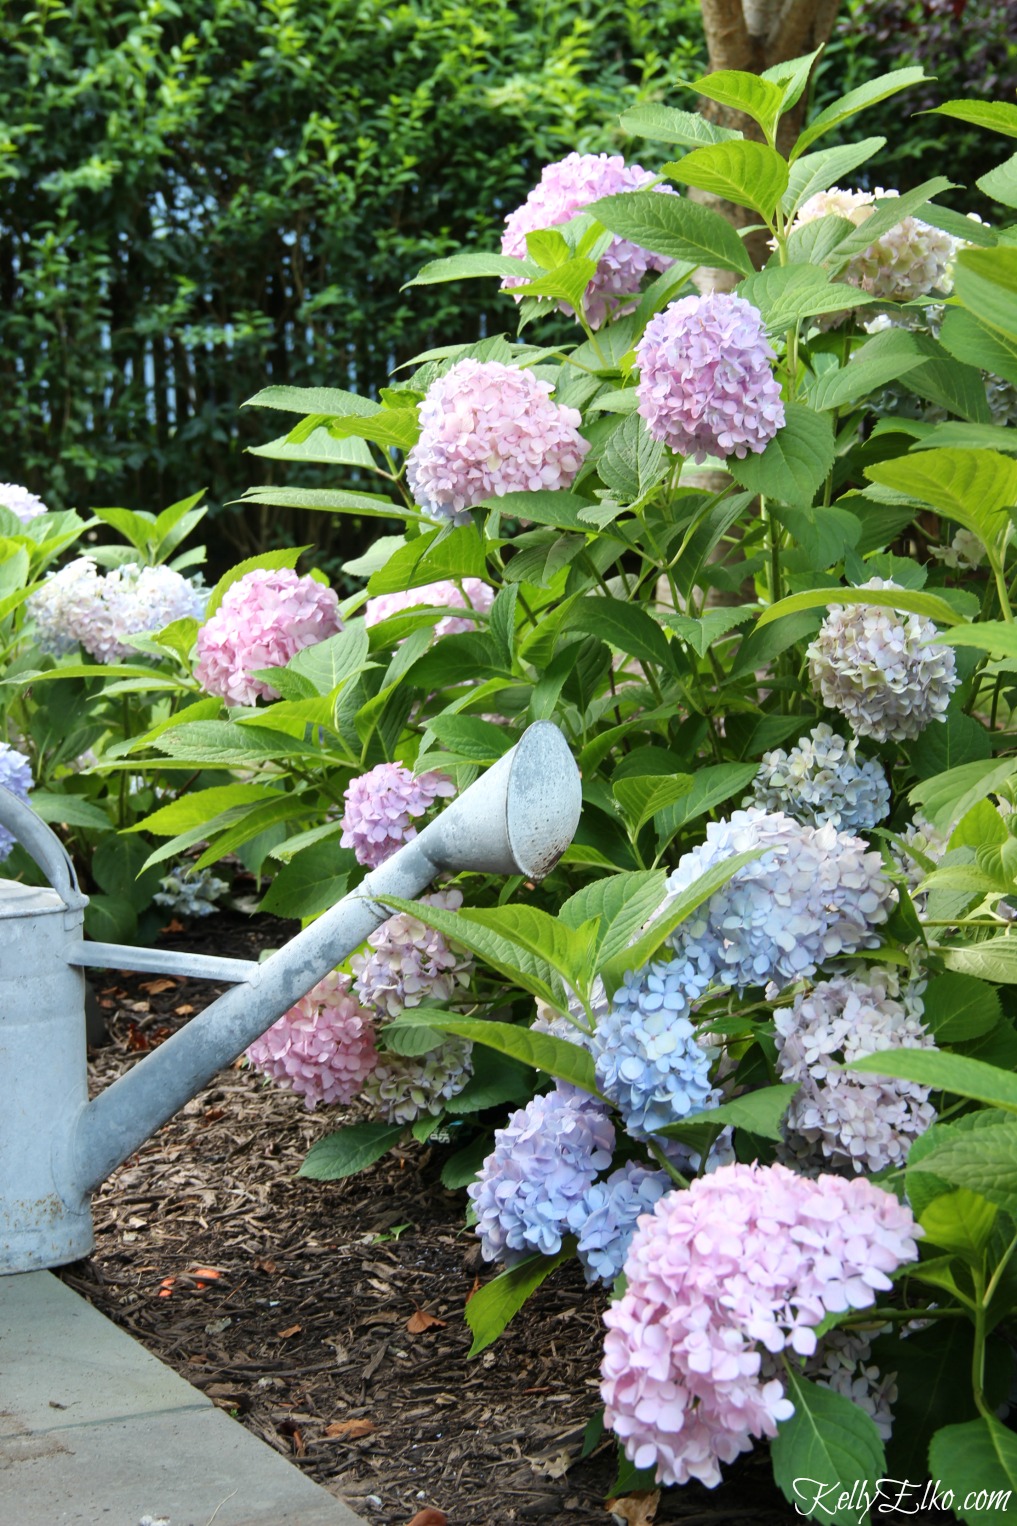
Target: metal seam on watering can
518,818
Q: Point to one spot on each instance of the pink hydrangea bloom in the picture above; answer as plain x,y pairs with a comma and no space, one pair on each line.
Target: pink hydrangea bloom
23,504
746,1261
379,805
265,618
567,187
473,595
322,1048
705,383
487,429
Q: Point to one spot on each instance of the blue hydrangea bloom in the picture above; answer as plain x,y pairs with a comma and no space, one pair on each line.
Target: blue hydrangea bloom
15,775
645,1052
822,780
543,1161
604,1219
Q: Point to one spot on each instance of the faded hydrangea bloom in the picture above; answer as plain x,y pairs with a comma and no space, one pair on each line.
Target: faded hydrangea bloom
814,894
910,261
927,840
22,503
881,669
472,595
604,1218
543,1162
404,1087
323,1047
851,1120
15,775
820,781
81,606
488,429
379,805
567,187
265,618
964,552
411,963
190,892
706,386
746,1261
843,1363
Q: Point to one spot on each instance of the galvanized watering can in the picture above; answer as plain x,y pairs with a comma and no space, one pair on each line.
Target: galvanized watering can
56,1146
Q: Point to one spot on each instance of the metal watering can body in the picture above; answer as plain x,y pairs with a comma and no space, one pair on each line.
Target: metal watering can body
56,1146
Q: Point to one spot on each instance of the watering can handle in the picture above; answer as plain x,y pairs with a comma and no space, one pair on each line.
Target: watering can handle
44,846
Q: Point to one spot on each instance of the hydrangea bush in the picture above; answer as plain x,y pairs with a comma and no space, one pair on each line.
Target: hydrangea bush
747,1051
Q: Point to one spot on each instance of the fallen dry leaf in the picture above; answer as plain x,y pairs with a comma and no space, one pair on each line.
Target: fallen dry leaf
552,1467
639,1509
156,987
351,1429
429,1517
184,1010
421,1321
284,1335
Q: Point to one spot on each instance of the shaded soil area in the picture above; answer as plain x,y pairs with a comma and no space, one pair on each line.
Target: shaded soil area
328,1317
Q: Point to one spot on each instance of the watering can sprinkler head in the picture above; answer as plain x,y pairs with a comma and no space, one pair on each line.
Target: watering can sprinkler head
55,1145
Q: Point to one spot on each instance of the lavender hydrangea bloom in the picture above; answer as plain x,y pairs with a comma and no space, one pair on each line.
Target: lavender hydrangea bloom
705,384
543,1161
487,429
852,1120
322,1048
81,606
190,892
604,1219
379,805
401,1088
567,187
882,670
21,503
472,595
265,618
410,962
15,775
814,894
645,1052
821,781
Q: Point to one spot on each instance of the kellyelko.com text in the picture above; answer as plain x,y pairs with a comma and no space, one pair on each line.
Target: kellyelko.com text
814,1497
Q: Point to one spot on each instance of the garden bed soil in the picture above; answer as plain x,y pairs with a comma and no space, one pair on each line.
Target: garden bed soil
327,1317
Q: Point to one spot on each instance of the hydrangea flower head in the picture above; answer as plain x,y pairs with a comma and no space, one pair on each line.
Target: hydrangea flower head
473,595
265,618
604,1219
911,260
401,1088
706,387
814,894
746,1261
882,670
821,781
322,1048
15,775
543,1161
23,504
565,188
410,963
488,429
79,606
190,892
379,805
930,842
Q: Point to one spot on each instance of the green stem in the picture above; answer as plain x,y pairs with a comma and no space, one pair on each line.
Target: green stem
665,1164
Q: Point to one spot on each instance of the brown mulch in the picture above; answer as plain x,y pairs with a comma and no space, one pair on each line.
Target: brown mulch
328,1316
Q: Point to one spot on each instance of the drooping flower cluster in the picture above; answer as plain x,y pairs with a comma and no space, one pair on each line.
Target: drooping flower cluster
750,1257
265,618
706,386
822,781
565,188
323,1047
411,963
488,429
15,775
912,260
81,606
882,670
473,595
852,1120
23,504
401,1088
379,805
604,1219
813,895
646,1056
190,892
543,1162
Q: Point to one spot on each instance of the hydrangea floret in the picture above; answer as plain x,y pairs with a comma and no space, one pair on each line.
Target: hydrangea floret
487,429
564,189
821,780
706,386
265,618
380,805
745,1261
402,1088
470,594
410,963
15,775
81,606
323,1048
22,503
882,670
604,1219
190,892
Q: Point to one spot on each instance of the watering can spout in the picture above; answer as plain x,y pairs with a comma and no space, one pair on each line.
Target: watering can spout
518,818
